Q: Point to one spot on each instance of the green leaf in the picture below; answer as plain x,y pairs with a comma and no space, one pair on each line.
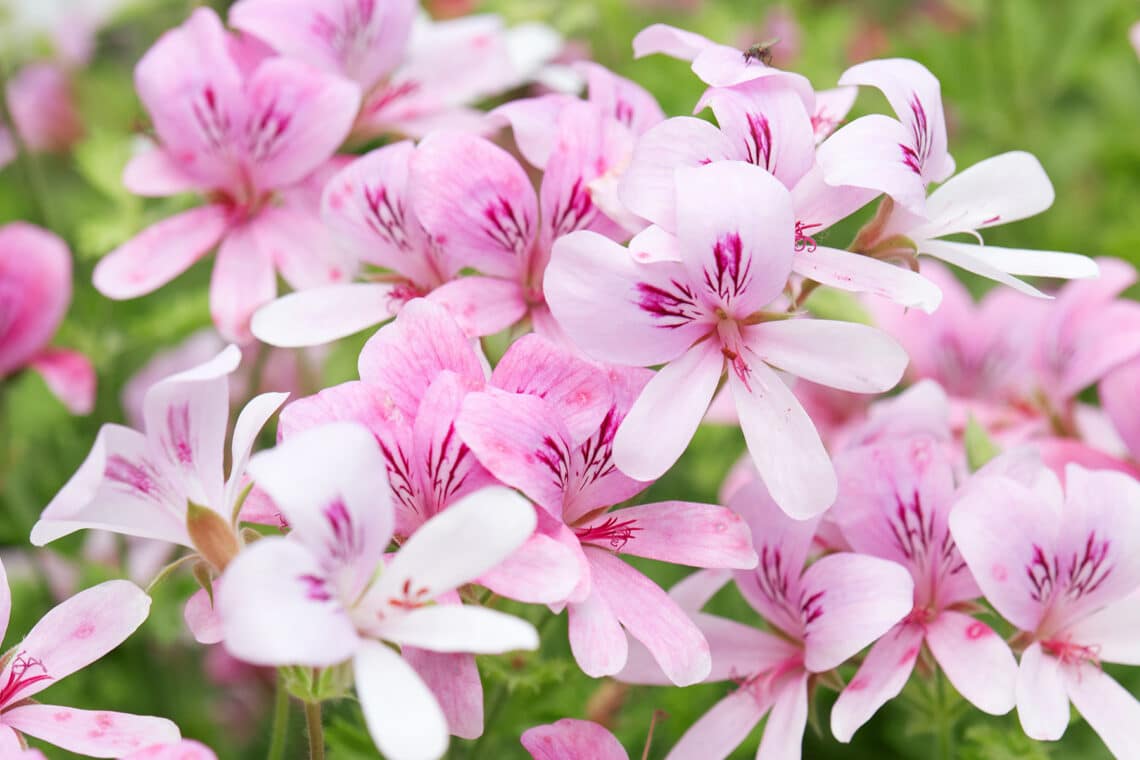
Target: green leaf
980,448
829,303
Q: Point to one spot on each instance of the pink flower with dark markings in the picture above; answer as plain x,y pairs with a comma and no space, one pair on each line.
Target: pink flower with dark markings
1065,569
69,637
523,442
823,614
252,134
335,597
704,297
35,290
894,501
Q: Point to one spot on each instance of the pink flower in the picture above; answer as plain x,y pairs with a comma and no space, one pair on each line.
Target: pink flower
704,297
43,107
570,739
69,637
523,441
247,131
35,290
1065,569
823,614
416,74
894,500
335,599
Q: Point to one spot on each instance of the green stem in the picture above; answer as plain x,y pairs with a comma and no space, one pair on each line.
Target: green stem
946,719
280,722
316,731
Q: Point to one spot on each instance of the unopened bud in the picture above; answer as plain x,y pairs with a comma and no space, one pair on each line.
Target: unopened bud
212,536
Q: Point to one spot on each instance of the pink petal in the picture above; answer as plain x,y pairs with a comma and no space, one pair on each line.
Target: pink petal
784,731
541,571
1111,629
651,617
460,628
831,108
879,679
577,390
329,484
783,442
975,659
530,120
482,305
160,253
724,727
1110,709
592,284
454,681
597,640
201,618
155,173
247,428
243,281
70,376
724,66
76,633
647,187
476,201
1117,391
35,273
855,273
405,356
402,715
295,239
665,417
622,99
819,205
669,40
867,153
1042,701
5,601
862,598
740,247
187,749
297,620
569,739
353,401
89,732
684,533
321,315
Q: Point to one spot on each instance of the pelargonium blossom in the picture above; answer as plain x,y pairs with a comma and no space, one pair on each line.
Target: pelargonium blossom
894,500
823,614
35,290
523,442
69,637
247,131
417,75
1064,567
334,597
705,298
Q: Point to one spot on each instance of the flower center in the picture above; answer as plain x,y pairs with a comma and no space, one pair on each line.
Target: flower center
24,672
614,531
1071,653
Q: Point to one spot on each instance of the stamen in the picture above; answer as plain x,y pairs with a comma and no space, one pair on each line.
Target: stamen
614,531
22,675
804,241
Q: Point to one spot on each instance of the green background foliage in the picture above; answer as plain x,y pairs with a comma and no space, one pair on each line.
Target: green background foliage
1058,79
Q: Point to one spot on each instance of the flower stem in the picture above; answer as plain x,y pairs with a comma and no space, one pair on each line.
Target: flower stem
316,731
946,718
280,721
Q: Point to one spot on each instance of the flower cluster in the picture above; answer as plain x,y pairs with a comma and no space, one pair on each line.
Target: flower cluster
644,275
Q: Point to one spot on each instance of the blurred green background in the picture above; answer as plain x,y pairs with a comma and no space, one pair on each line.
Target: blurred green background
1058,79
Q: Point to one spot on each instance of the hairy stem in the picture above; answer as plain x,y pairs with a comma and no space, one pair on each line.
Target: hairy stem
316,731
280,722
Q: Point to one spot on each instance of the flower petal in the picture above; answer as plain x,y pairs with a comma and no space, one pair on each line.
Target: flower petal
868,153
855,273
597,640
1042,701
70,376
460,628
669,40
35,266
401,713
541,571
879,679
569,738
721,730
317,316
975,659
684,533
243,280
482,305
201,618
454,681
844,355
89,732
1110,709
247,428
784,731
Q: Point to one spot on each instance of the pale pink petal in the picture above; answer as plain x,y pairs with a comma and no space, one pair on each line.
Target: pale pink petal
975,659
296,620
879,679
684,533
784,732
844,355
1017,261
974,258
669,40
597,640
651,617
740,246
855,273
482,305
296,118
353,401
458,545
243,281
1110,709
75,634
570,739
665,417
321,315
330,484
253,417
622,99
476,201
1112,629
5,602
201,618
187,749
723,727
831,108
819,205
403,716
160,253
460,628
1118,391
868,153
453,679
724,66
541,571
35,272
404,357
1042,701
648,187
577,390
70,376
861,598
298,243
12,743
154,172
530,120
89,732
593,284
783,442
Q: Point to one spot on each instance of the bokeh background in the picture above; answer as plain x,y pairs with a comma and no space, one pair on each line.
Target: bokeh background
1059,79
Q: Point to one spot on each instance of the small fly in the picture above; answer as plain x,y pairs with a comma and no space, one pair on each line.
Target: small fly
761,51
